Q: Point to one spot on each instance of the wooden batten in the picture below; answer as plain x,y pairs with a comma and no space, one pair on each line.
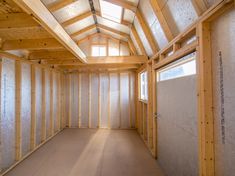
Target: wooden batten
33,109
79,100
18,152
51,104
43,134
69,101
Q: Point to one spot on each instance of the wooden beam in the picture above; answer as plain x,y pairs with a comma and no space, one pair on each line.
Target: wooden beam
31,44
199,6
123,3
101,66
17,20
122,34
138,40
102,60
48,21
132,46
51,103
18,135
76,19
60,4
83,30
205,102
148,33
162,20
69,101
49,55
43,134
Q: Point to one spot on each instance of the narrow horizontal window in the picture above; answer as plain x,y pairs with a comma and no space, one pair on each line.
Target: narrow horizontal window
183,67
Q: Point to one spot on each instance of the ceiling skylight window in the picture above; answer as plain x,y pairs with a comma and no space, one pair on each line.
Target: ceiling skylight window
111,11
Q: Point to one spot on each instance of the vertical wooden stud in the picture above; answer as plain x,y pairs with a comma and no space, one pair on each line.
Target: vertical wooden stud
18,74
43,137
99,103
58,100
69,102
89,101
205,102
130,102
33,109
79,100
120,98
109,110
51,104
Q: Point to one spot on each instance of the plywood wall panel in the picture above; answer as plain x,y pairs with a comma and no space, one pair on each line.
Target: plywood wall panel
104,83
124,98
94,100
25,107
114,101
8,113
38,91
132,99
55,101
223,58
84,100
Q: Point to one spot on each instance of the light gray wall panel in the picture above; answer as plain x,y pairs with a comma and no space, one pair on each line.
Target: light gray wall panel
114,101
38,90
223,57
8,113
84,100
25,107
94,100
125,120
177,126
74,98
104,83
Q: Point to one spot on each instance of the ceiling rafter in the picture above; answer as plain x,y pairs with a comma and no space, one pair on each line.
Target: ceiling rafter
83,30
48,21
199,6
138,40
132,47
50,54
17,20
125,4
148,33
60,4
122,34
76,19
162,20
101,66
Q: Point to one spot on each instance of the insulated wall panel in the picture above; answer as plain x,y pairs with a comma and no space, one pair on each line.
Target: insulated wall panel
114,101
132,99
84,100
47,102
8,113
74,100
38,90
94,100
55,98
25,107
104,84
67,100
124,97
223,57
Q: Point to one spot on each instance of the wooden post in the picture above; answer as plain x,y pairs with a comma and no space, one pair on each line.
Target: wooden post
69,102
120,98
205,102
18,152
58,100
33,109
89,101
137,101
109,96
51,103
79,100
62,124
99,96
130,102
43,134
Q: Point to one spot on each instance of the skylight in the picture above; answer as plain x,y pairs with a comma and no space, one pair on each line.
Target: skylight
111,11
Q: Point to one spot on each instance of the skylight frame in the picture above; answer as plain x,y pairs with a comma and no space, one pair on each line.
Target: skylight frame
107,16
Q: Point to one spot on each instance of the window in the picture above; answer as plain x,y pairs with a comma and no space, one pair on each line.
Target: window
183,67
143,86
98,50
111,11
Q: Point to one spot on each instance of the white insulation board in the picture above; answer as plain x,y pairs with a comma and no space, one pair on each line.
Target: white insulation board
84,99
25,107
104,83
7,113
74,98
94,100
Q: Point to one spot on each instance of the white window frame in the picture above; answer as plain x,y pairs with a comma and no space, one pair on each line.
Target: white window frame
99,54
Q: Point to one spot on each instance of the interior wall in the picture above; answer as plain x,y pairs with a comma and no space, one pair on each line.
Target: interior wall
103,100
178,126
8,109
223,57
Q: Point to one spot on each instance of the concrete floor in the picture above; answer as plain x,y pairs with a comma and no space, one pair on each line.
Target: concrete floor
88,152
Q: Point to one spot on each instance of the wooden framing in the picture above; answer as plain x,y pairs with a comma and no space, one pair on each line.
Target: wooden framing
123,3
33,109
69,101
43,134
49,55
18,136
79,100
76,19
51,103
89,102
148,33
48,21
132,47
60,4
138,40
162,20
83,30
122,34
